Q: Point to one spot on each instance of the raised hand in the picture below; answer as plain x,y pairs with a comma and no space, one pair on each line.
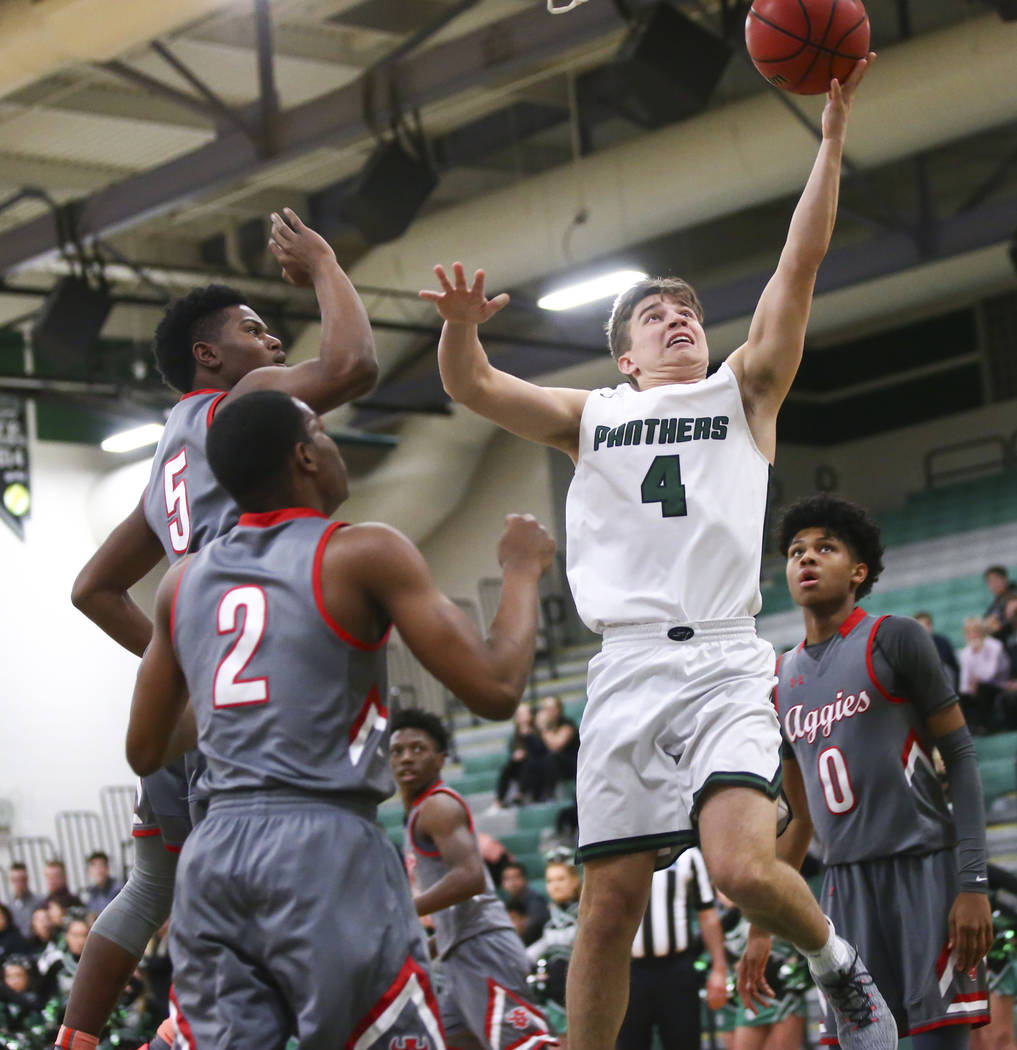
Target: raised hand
299,250
840,97
525,542
459,304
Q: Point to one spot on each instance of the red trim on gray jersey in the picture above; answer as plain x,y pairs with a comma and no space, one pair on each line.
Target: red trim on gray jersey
212,407
319,596
203,390
857,615
871,668
265,519
439,787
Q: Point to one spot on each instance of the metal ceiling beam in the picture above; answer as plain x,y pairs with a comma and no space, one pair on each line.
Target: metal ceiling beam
490,53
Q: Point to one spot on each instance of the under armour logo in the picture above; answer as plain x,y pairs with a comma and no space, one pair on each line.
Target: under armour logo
800,680
409,1042
518,1018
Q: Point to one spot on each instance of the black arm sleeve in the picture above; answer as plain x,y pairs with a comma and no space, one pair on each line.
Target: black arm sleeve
918,671
961,763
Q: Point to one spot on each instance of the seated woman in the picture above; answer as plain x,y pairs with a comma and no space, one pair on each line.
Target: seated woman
523,778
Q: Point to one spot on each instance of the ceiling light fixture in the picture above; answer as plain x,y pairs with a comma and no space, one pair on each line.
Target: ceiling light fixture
590,291
136,437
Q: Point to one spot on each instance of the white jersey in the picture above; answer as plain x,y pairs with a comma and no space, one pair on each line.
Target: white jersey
664,517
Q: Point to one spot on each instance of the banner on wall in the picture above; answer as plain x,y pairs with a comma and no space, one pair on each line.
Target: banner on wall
15,480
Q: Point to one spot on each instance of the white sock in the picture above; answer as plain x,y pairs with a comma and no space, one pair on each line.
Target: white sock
835,955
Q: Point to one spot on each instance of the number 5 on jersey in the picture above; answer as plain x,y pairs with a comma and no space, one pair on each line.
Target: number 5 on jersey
242,609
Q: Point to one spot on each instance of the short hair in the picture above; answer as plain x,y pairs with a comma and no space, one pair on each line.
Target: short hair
922,614
518,907
195,317
514,865
249,443
618,341
416,718
97,854
18,865
55,862
847,521
997,570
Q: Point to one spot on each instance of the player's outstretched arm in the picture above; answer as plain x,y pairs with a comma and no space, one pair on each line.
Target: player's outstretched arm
442,819
487,674
160,691
548,415
767,362
100,591
753,988
346,366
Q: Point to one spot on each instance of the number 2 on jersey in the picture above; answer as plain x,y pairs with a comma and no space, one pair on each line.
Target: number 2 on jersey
663,485
229,689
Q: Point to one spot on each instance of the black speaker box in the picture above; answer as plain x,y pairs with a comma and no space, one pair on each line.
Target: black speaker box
68,326
388,192
665,70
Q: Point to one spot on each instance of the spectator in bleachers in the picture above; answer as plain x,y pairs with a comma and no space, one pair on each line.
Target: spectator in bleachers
55,875
997,579
561,737
947,656
12,940
102,887
58,963
23,901
523,777
517,913
495,855
1010,641
984,671
41,931
553,950
19,1002
520,894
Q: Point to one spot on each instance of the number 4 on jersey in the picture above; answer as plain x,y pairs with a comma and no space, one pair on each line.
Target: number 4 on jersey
663,485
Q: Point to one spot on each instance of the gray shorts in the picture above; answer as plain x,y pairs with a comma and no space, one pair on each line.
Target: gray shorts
485,1000
293,917
895,911
162,806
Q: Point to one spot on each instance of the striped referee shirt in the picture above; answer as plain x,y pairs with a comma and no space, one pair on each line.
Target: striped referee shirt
675,892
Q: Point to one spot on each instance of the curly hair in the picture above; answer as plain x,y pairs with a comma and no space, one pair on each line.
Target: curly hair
249,443
416,718
848,522
196,317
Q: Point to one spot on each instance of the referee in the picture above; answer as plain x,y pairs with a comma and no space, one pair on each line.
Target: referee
664,991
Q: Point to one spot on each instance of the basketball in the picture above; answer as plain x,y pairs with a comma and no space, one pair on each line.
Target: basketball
801,45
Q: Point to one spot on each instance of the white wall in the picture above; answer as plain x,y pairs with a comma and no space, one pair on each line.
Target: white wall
66,687
512,477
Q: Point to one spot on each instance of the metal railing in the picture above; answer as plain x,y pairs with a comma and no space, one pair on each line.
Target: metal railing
79,832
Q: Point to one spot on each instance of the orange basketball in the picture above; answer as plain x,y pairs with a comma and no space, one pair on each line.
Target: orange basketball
801,45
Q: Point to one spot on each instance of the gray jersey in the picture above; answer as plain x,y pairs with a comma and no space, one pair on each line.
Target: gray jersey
481,913
184,505
854,716
283,696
